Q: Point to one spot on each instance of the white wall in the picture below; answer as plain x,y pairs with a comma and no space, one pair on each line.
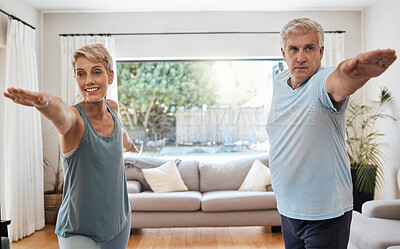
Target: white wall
206,45
28,14
186,46
31,15
382,30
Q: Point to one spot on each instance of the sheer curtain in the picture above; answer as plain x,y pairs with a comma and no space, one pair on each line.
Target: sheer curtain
334,49
22,201
69,89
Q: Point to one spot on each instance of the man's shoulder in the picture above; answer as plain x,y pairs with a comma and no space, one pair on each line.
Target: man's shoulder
319,78
322,74
283,76
324,70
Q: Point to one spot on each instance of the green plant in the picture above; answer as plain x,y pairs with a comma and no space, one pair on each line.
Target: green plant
57,171
363,145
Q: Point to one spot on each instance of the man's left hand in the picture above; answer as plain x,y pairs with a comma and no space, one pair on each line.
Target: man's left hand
368,65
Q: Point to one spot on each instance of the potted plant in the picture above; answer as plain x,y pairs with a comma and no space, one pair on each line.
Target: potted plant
363,147
53,198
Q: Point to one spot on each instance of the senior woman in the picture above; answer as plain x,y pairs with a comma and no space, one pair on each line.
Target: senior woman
95,212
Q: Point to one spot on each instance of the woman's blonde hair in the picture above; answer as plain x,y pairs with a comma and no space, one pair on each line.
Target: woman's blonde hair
301,26
96,53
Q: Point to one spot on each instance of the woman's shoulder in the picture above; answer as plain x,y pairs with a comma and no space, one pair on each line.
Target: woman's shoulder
113,104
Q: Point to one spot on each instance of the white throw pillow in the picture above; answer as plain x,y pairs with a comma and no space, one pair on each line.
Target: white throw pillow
165,178
258,178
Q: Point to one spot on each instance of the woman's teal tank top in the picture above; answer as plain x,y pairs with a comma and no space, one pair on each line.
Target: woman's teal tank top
95,199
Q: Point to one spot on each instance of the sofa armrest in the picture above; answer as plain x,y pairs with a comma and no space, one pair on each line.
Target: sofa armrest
133,187
385,209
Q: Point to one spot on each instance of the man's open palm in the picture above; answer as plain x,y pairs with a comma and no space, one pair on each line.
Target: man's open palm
368,65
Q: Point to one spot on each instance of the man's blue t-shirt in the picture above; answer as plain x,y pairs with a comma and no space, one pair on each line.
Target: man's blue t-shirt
309,164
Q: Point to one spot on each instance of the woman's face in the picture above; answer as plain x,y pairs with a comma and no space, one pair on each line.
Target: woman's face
93,79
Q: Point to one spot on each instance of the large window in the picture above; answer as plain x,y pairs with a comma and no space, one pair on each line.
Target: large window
197,107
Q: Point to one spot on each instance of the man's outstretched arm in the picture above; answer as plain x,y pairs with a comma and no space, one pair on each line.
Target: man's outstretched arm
352,74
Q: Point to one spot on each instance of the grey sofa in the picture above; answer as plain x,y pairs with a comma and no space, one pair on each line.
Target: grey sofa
212,199
378,226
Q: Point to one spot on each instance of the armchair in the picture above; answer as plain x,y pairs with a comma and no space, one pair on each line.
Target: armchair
378,226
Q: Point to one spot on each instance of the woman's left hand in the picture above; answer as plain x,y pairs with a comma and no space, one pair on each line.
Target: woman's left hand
131,148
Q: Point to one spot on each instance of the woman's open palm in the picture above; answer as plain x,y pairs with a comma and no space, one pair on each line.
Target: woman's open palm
27,98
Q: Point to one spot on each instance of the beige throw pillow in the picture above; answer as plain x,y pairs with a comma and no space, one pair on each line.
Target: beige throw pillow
165,178
258,178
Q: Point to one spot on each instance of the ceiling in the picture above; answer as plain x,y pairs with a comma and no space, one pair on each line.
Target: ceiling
197,5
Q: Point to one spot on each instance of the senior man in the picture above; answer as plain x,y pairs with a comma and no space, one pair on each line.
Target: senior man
309,165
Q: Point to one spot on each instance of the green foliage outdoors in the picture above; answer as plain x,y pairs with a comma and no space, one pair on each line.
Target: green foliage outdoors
150,93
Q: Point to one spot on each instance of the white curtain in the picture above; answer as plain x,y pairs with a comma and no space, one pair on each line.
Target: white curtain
69,89
22,200
334,49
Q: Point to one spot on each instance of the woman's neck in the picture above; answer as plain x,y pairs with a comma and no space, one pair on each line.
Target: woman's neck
96,110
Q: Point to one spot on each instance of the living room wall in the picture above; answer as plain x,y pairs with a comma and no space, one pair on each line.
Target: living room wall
381,23
159,22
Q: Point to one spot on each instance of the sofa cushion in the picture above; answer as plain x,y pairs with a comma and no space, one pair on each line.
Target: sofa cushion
258,178
226,175
135,164
133,187
189,170
165,178
219,201
173,201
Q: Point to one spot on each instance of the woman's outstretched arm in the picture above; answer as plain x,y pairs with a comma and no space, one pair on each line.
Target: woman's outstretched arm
52,107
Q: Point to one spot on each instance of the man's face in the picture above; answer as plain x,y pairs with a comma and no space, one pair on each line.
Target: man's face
303,56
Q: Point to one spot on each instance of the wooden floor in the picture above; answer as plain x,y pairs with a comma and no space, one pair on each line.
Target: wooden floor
175,238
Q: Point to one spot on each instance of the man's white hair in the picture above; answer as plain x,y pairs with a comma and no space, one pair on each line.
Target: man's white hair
301,26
